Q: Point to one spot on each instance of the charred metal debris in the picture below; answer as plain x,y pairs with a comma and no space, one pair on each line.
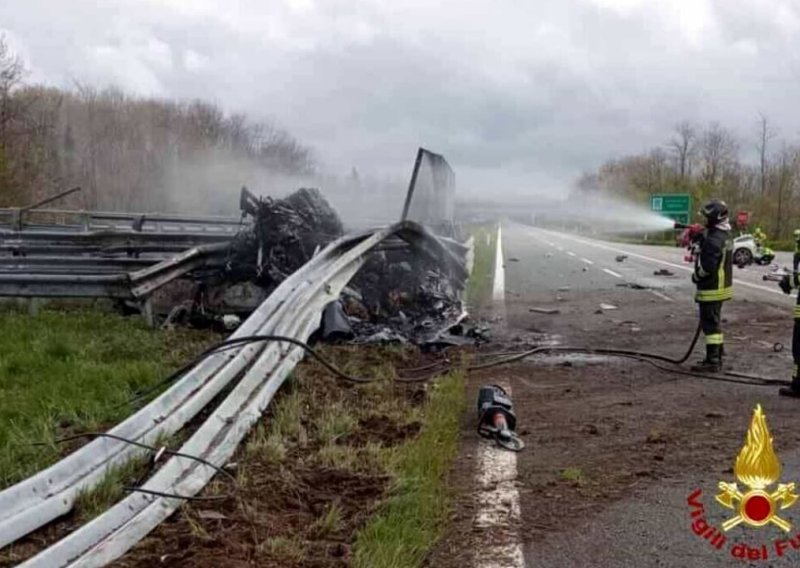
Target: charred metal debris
215,272
400,295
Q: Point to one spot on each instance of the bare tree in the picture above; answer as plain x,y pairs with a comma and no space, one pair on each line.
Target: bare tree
785,176
765,134
682,145
718,150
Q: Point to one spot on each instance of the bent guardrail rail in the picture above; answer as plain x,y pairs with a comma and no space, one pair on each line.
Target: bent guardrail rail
293,309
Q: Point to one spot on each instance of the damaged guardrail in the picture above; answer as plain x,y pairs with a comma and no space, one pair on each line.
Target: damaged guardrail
293,309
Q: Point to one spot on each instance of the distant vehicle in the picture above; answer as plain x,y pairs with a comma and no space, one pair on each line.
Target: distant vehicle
746,251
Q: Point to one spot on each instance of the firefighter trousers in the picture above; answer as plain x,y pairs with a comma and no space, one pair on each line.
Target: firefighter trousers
710,320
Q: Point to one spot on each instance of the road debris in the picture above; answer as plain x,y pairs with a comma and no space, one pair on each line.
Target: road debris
607,307
663,272
496,418
621,257
548,311
633,286
513,259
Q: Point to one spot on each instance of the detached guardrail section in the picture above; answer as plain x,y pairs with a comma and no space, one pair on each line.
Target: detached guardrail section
294,310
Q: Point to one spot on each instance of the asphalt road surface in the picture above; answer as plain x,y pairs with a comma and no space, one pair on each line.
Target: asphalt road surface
615,448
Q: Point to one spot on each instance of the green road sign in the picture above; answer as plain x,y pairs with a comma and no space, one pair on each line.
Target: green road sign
669,204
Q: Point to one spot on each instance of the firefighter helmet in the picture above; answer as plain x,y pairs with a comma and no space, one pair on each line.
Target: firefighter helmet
715,211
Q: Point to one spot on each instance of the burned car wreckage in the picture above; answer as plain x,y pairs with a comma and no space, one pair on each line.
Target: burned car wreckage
399,295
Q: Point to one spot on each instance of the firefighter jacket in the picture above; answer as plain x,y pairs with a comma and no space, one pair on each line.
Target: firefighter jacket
796,259
713,267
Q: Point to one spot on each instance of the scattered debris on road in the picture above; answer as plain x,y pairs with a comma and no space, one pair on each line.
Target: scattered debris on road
621,257
663,272
496,418
633,286
607,307
548,311
513,259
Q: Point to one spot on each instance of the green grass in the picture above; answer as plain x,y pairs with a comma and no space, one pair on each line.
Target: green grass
572,474
417,511
479,286
69,371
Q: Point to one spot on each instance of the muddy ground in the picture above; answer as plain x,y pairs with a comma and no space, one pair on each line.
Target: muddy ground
602,430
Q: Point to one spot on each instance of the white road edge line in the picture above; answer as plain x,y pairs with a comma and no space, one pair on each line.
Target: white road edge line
587,261
662,296
612,273
499,510
569,252
499,284
662,262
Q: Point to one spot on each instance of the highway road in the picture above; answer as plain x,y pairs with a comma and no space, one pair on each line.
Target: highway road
615,447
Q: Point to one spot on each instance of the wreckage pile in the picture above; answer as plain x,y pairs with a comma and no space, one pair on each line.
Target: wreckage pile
399,295
402,296
284,236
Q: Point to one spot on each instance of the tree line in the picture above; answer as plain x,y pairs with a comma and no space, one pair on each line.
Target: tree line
125,152
760,174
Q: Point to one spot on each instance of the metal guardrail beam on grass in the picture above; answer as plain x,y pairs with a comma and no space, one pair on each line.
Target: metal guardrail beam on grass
293,309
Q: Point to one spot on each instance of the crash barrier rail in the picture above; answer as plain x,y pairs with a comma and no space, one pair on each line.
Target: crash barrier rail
91,278
24,219
293,309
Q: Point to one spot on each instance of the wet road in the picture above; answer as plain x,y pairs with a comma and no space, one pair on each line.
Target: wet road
565,259
577,275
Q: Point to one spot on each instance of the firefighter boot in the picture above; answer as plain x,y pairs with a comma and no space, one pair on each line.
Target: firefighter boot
793,389
712,363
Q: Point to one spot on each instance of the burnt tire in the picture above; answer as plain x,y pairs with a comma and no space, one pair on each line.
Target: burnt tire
742,257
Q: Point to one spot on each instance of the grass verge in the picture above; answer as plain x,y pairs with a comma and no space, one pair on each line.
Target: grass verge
417,511
72,370
479,286
334,475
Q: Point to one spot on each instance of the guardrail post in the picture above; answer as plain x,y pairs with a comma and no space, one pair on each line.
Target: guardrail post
146,307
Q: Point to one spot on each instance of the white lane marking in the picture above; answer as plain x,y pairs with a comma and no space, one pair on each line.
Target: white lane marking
612,273
498,516
663,262
569,252
499,284
587,261
662,296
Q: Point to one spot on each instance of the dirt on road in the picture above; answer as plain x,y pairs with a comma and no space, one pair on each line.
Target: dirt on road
603,430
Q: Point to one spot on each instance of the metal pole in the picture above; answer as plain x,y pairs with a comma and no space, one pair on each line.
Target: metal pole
50,199
412,184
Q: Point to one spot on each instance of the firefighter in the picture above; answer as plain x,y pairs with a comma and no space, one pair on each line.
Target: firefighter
713,275
794,388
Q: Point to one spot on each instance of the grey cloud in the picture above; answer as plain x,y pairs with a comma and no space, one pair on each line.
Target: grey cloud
528,96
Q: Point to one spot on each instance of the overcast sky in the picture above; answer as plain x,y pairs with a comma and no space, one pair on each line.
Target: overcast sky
520,95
